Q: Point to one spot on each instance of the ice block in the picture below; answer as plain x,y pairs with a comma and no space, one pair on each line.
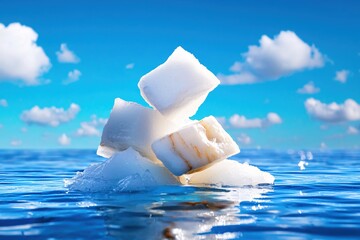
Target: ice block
230,173
132,125
195,146
179,86
124,171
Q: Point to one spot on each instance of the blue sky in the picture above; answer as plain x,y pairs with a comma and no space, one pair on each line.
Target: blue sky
113,43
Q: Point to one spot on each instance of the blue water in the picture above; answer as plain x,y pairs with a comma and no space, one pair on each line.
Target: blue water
321,201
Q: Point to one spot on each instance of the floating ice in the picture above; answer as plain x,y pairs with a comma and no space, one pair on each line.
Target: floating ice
195,146
302,164
124,171
132,125
179,86
230,173
134,135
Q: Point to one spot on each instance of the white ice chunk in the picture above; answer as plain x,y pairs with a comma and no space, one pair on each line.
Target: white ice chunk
179,86
195,146
124,171
230,173
132,125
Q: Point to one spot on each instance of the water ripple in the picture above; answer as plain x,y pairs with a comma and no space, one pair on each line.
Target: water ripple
319,202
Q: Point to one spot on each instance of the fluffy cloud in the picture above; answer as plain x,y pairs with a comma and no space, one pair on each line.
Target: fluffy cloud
238,121
21,59
66,56
244,139
3,103
342,76
333,112
91,128
274,58
73,76
130,66
64,140
49,116
15,142
308,88
352,130
222,121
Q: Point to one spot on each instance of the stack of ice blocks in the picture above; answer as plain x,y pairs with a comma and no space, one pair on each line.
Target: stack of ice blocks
165,136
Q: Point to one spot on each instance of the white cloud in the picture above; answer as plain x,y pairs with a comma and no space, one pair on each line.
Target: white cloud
324,127
333,112
308,88
64,140
342,76
91,128
73,76
24,129
21,59
222,121
1,126
87,129
244,139
49,116
352,130
15,143
3,103
236,67
238,121
130,66
66,56
323,145
274,58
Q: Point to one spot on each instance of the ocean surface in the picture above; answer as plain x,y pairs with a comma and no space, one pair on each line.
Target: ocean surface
316,195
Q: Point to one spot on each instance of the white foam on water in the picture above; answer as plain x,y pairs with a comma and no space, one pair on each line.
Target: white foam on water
302,164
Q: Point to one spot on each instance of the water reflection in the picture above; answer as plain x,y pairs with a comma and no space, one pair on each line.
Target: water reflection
178,213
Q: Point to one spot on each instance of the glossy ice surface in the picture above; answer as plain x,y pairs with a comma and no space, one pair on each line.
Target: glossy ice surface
179,86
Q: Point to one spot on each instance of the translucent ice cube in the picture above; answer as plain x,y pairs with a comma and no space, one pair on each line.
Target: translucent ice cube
230,173
179,86
132,125
195,146
124,171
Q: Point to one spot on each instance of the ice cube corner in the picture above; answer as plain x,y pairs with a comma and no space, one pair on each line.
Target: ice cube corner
179,86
